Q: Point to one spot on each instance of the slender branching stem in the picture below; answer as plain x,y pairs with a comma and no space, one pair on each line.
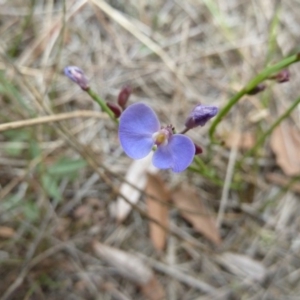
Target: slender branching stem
265,74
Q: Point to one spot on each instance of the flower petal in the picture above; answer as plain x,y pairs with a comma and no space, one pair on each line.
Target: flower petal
137,125
177,155
162,158
136,146
139,118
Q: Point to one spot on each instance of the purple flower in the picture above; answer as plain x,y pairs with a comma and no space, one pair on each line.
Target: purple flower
140,132
200,115
78,76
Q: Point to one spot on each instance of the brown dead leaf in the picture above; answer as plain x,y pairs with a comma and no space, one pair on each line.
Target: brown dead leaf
187,199
285,143
132,268
157,210
246,140
6,232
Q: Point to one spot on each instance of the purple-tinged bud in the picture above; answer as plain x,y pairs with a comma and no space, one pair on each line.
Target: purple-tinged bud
124,95
198,149
115,108
282,76
259,88
78,76
200,115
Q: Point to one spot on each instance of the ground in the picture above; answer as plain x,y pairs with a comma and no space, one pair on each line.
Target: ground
226,228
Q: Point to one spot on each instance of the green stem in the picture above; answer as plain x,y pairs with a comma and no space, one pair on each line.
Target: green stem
102,104
249,87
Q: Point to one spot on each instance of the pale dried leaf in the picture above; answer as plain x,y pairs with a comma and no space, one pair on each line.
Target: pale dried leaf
285,143
246,140
242,265
132,268
6,232
127,265
136,175
157,210
187,199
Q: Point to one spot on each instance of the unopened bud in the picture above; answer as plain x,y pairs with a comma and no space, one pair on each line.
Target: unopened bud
124,95
115,108
259,88
198,149
200,115
282,76
78,76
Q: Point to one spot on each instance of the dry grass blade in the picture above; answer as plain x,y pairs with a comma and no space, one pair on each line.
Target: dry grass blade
130,27
285,143
132,268
157,210
187,199
52,33
51,119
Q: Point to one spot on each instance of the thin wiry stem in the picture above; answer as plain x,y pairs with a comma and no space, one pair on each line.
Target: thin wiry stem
102,104
265,74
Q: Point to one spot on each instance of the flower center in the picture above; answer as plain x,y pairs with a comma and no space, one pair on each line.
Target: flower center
162,136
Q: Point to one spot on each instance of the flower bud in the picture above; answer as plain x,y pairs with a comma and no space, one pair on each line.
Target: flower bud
282,76
116,109
124,95
78,76
198,149
259,88
200,115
